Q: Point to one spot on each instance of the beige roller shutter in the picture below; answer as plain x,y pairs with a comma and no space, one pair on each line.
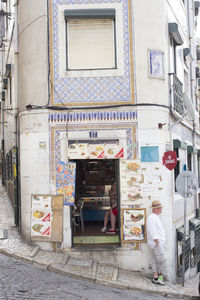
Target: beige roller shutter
90,44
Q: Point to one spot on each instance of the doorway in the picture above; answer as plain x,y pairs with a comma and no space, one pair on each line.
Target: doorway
94,178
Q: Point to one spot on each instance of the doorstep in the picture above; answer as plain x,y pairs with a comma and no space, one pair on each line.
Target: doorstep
95,239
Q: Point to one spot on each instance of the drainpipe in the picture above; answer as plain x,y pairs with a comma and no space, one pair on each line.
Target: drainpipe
194,156
2,129
16,152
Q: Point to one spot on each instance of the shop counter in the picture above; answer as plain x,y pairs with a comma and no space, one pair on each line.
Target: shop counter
94,208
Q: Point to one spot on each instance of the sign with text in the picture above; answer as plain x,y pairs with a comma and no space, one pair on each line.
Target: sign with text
133,224
170,160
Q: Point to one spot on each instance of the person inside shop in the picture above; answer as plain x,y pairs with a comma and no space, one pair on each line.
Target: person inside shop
112,212
156,242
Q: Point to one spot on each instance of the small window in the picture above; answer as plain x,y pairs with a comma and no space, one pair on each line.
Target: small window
189,161
10,90
198,162
177,168
90,38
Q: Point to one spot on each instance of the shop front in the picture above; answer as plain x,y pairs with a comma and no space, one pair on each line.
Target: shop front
94,179
94,153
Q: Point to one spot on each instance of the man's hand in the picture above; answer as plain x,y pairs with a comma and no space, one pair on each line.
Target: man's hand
157,242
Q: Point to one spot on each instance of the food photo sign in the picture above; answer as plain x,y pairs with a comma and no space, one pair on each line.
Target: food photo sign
41,216
47,218
93,151
133,225
131,180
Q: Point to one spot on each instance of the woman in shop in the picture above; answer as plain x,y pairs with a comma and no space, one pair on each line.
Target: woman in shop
112,212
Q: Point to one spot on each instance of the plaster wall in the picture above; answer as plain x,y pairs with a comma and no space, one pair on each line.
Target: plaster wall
33,50
150,135
34,161
150,34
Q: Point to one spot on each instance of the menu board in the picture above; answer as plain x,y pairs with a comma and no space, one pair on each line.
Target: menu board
139,181
93,151
152,185
133,225
41,216
131,180
47,218
65,181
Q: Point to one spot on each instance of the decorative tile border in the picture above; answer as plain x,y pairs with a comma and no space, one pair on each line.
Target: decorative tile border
79,91
56,130
97,117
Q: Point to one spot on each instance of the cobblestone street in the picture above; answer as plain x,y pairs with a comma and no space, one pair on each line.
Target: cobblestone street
20,280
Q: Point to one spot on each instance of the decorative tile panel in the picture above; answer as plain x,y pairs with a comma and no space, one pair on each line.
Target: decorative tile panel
80,91
57,131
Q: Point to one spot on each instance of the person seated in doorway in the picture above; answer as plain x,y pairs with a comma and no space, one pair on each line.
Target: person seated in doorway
112,212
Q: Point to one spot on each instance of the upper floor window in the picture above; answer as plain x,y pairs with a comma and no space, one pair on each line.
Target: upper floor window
90,39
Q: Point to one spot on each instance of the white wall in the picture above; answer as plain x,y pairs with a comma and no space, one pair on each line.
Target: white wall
34,162
33,50
149,33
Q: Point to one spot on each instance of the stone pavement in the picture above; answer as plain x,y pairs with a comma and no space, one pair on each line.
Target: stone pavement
75,265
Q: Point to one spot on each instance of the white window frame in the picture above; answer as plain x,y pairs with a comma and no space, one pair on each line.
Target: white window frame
119,71
95,20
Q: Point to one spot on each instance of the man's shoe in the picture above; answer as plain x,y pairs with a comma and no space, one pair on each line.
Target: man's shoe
160,279
155,281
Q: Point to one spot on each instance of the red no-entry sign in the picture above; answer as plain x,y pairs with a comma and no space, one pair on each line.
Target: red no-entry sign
170,160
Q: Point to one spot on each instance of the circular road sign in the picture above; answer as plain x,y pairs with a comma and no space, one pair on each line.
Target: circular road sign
186,183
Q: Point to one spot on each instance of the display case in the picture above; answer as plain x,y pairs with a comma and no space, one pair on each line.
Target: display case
96,201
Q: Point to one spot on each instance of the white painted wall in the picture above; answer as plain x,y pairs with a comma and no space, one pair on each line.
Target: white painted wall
34,162
33,53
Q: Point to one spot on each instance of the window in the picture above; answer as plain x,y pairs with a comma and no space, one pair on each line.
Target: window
198,162
189,161
90,39
172,56
186,82
177,168
10,90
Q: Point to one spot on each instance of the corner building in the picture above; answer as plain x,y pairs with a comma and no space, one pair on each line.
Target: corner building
99,91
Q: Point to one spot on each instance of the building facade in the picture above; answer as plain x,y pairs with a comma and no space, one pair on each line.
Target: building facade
95,92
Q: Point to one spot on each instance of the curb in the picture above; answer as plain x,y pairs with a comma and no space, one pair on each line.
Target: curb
94,280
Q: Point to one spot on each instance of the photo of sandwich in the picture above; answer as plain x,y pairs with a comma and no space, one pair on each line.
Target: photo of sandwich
134,197
110,151
99,148
132,166
94,153
136,231
37,227
38,214
72,146
137,218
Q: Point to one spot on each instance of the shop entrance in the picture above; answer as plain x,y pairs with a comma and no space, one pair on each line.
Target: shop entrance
94,179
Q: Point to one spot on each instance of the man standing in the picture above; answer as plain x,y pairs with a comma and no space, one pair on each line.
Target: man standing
156,242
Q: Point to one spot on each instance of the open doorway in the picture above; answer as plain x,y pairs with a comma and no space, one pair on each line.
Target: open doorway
94,178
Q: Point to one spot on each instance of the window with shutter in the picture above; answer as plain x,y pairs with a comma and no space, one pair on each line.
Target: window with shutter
90,38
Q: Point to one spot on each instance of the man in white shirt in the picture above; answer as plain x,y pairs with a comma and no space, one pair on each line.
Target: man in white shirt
156,242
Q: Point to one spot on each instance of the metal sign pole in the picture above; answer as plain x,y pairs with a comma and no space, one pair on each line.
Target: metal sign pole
184,233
